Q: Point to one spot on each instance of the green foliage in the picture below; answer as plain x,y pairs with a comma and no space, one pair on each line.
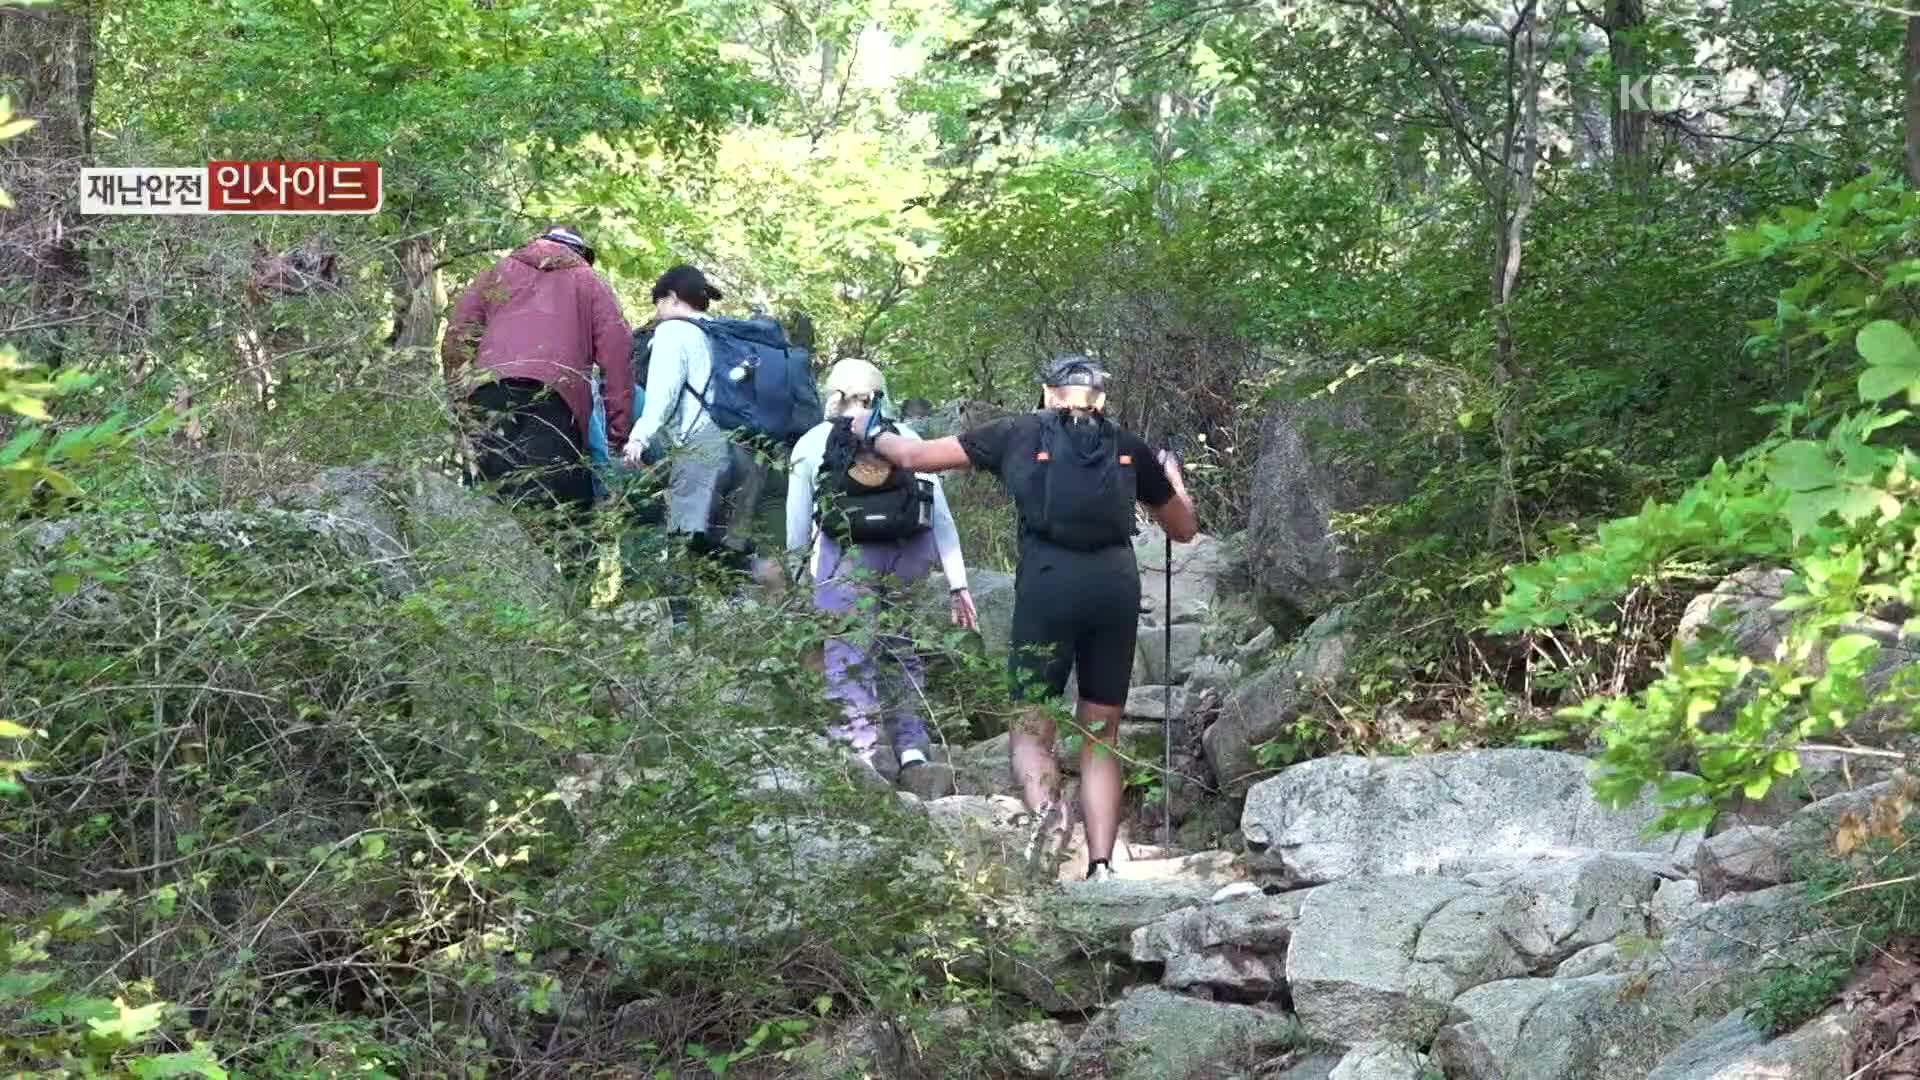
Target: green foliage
1837,510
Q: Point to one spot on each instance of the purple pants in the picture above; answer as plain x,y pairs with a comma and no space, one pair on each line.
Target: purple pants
885,683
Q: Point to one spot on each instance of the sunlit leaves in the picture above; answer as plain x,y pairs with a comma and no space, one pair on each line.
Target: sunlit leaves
1893,362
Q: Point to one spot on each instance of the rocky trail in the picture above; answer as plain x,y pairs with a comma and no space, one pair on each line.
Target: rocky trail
1473,914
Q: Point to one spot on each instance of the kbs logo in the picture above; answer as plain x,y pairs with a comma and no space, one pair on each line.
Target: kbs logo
235,187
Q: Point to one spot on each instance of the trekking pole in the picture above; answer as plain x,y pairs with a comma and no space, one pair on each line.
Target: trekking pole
1166,705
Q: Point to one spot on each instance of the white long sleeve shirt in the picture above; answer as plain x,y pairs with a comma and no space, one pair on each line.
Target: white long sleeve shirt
804,470
678,363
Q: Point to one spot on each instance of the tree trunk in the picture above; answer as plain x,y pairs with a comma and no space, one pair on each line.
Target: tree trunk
418,294
47,70
1512,205
1631,164
1912,70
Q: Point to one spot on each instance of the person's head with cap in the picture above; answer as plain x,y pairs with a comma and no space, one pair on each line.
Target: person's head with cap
683,292
854,384
1074,381
569,237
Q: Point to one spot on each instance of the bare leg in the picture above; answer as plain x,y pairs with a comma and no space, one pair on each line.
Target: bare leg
1031,752
1101,777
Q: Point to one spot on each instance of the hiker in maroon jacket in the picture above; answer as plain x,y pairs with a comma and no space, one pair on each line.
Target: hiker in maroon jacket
536,323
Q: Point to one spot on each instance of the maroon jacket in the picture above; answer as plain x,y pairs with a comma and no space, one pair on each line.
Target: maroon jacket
542,313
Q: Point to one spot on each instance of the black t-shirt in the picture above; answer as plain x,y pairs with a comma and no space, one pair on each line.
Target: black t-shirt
993,445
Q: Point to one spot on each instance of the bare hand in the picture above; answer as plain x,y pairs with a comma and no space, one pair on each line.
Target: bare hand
634,454
964,614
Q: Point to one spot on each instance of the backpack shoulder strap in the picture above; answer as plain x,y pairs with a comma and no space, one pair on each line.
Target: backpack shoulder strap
704,397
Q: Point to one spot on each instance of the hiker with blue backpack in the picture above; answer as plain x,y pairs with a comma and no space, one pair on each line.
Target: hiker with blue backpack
713,384
1075,477
870,529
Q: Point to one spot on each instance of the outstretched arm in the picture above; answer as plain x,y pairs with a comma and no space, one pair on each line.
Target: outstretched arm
939,455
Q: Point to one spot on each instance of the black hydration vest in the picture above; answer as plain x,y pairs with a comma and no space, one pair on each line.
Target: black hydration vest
893,504
1073,486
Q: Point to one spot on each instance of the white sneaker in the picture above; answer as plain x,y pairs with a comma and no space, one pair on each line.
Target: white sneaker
1103,872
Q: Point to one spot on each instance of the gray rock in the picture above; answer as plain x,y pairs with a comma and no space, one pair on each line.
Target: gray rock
1264,708
1303,1065
1213,674
1378,1060
365,498
1108,912
1660,994
1304,474
1258,644
1337,817
458,532
980,831
1568,906
1238,946
776,879
928,780
1036,1048
1734,1050
1701,967
1592,1028
983,768
1675,903
1151,702
1737,614
1066,949
1151,1034
1383,957
1741,860
1198,567
992,598
1188,641
1592,960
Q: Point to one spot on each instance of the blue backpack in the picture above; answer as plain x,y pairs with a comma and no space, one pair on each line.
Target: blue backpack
761,383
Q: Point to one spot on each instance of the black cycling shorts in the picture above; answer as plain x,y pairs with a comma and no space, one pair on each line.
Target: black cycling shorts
1074,610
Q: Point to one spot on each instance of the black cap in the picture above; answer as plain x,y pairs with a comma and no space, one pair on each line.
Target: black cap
689,284
570,237
1074,369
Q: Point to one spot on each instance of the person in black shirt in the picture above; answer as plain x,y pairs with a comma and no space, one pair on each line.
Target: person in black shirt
1074,476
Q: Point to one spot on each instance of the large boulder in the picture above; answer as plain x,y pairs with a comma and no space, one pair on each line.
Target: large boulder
1199,566
1593,1028
1568,905
1264,708
1383,958
1741,860
420,521
978,832
1738,614
983,768
1734,1049
1381,1060
1067,949
1642,1010
1166,655
1151,1034
1454,812
1315,460
1238,946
